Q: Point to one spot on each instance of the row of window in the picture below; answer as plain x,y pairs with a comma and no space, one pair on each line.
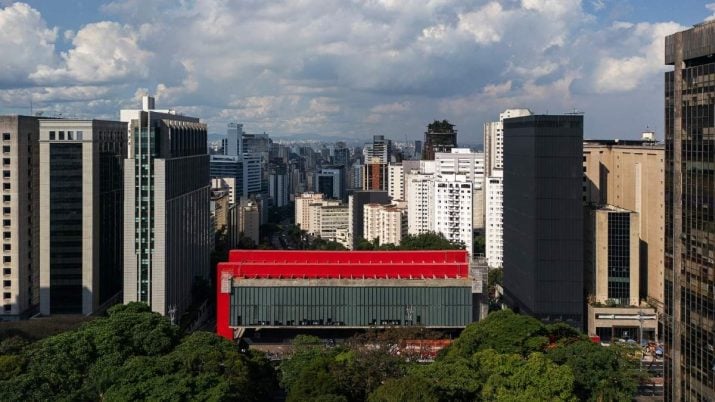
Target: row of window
71,135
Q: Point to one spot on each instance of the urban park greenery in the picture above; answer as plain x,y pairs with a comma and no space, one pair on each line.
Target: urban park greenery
134,354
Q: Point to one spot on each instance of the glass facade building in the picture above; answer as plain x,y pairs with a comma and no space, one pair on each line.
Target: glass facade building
689,320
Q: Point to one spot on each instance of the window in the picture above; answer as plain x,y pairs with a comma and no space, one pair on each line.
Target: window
78,136
6,235
6,174
6,283
6,295
6,308
62,135
6,149
6,186
6,247
52,135
6,136
6,210
6,198
5,161
6,222
6,259
6,271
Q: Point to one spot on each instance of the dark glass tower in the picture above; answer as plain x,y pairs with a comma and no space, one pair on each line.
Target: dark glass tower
689,322
543,216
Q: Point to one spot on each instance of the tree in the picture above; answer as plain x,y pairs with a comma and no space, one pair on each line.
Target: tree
600,373
505,332
406,389
479,246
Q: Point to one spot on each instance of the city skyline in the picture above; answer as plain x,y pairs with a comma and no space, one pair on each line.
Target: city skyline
339,70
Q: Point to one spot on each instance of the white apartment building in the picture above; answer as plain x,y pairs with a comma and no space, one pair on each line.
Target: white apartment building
453,209
494,139
494,207
420,203
441,204
302,208
387,223
332,216
396,182
463,161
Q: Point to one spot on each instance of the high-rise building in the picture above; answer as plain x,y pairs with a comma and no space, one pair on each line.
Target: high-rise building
385,223
249,220
420,203
494,139
21,217
493,224
331,216
689,229
356,212
441,204
278,187
376,155
543,216
331,182
166,208
245,172
471,164
611,259
629,175
234,139
81,214
439,137
452,209
302,205
396,182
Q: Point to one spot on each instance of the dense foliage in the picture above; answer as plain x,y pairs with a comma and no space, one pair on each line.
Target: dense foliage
506,357
132,354
424,241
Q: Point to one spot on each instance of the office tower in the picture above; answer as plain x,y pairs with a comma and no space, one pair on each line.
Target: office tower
256,144
356,212
81,214
166,208
396,182
278,187
20,220
329,217
494,140
380,148
385,223
439,137
689,230
302,205
244,172
356,176
418,149
493,225
611,276
629,174
249,220
234,137
341,155
465,162
543,216
331,182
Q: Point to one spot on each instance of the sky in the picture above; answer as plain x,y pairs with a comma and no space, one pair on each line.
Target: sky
346,68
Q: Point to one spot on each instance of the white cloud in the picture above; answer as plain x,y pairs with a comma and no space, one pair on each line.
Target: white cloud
626,73
711,8
102,52
25,41
389,108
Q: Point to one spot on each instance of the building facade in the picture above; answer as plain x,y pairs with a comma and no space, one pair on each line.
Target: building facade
396,182
494,140
302,208
249,220
439,137
543,216
245,172
471,164
166,208
452,209
81,214
689,229
21,217
356,213
334,290
385,223
629,175
493,219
